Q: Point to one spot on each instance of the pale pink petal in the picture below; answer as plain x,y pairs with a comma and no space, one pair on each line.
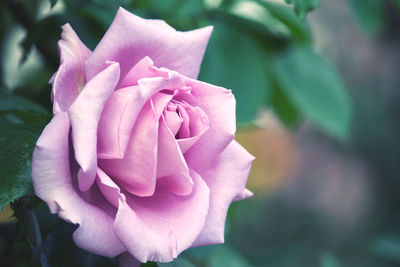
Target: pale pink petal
116,122
110,190
131,38
219,105
136,172
199,124
53,184
172,170
85,114
173,120
226,178
143,69
184,131
70,77
160,227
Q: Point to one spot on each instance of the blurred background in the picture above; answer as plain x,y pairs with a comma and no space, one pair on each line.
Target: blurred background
317,89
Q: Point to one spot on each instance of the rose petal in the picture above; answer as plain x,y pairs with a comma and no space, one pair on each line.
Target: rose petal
226,178
70,77
184,131
160,227
173,121
199,124
172,170
219,105
116,122
131,38
143,69
53,184
108,188
85,114
136,172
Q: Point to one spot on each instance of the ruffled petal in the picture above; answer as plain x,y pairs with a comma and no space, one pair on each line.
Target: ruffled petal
70,77
143,69
158,228
53,184
219,105
131,38
85,114
226,178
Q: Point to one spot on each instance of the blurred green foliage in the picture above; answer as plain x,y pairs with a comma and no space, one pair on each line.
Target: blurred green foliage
263,51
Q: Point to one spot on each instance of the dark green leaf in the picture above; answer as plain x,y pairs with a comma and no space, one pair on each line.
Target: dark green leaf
27,218
235,60
302,7
17,142
285,110
315,88
370,13
149,264
53,2
15,102
59,250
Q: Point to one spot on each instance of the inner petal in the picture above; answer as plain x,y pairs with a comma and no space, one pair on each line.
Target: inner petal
198,125
136,171
173,120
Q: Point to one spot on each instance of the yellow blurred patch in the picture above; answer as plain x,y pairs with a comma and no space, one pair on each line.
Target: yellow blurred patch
273,147
6,215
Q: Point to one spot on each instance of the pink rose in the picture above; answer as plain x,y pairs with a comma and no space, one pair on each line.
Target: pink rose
139,153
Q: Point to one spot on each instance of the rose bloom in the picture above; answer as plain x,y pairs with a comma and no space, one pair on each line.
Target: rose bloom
139,153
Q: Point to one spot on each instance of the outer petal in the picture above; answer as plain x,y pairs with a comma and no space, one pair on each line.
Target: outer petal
70,77
219,105
85,114
131,38
226,178
52,182
160,227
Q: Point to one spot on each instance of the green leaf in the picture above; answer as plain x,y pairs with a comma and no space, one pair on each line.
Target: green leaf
387,247
285,110
53,2
237,61
315,88
179,262
226,256
14,102
329,260
302,7
298,28
370,13
17,142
